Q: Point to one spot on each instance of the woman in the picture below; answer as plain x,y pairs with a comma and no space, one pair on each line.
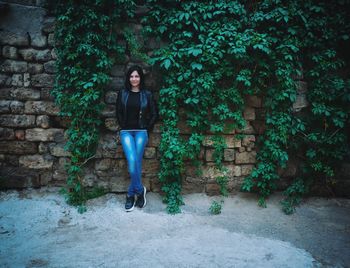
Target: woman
136,114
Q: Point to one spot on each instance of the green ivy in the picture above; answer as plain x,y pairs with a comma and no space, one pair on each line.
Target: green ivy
87,47
216,52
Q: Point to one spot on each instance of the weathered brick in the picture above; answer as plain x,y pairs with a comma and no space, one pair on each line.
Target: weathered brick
57,149
41,107
9,52
36,161
13,66
18,178
20,134
17,107
5,106
14,39
111,124
6,134
18,147
43,121
39,134
43,80
209,155
246,158
150,152
35,68
229,154
50,67
25,93
49,25
51,40
17,80
17,120
249,113
111,97
300,102
246,169
248,140
30,54
38,40
254,101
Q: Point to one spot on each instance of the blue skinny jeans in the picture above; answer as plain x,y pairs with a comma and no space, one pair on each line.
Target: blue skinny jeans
134,143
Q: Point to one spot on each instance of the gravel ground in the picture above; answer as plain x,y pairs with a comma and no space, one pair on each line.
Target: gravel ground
38,229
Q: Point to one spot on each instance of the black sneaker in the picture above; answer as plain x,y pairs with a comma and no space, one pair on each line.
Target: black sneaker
141,199
130,203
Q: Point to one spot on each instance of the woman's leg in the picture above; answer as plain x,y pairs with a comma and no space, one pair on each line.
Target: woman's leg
128,142
141,139
134,143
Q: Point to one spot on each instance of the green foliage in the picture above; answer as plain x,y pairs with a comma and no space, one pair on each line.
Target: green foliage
87,47
216,52
215,207
198,70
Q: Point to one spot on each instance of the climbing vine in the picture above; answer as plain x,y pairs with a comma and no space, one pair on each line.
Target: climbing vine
216,52
87,47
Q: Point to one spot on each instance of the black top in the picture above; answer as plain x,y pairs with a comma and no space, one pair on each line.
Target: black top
133,111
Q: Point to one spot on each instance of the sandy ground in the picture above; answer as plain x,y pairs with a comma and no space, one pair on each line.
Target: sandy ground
38,229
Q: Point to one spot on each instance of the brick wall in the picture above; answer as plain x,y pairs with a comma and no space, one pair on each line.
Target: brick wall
32,134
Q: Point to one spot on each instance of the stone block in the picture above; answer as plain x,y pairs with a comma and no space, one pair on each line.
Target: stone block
259,126
246,169
17,120
43,121
13,39
246,158
150,152
43,80
25,93
5,106
108,147
150,167
53,54
209,155
18,178
229,154
13,66
111,124
6,134
38,40
118,70
20,134
51,40
103,164
153,139
248,140
41,107
249,113
35,68
300,102
212,189
18,147
17,107
45,94
109,111
17,80
58,150
254,101
43,147
111,97
39,134
26,79
5,80
9,52
45,178
49,25
301,87
248,129
31,54
36,161
50,67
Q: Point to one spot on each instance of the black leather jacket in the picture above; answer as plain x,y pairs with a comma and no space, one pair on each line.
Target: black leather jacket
148,111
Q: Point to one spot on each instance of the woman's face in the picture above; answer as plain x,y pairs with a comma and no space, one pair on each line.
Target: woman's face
135,79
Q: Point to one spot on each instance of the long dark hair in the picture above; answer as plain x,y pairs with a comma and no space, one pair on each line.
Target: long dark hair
139,70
